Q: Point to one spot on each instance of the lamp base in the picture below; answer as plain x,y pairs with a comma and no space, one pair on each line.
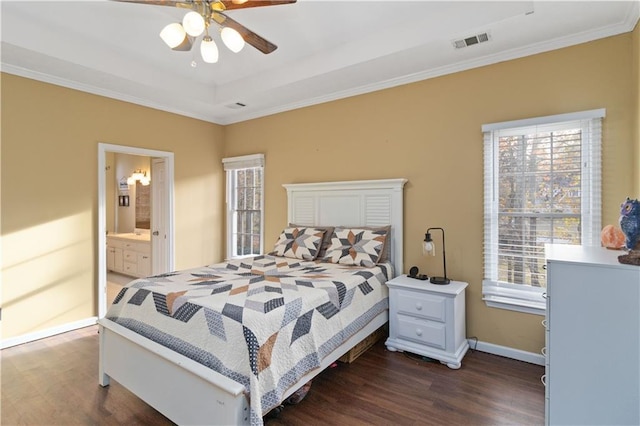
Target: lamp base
440,280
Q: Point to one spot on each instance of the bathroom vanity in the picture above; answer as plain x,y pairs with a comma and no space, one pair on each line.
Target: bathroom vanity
129,253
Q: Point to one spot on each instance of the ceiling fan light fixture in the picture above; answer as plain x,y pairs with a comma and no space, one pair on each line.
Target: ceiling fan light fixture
193,23
175,37
232,39
209,50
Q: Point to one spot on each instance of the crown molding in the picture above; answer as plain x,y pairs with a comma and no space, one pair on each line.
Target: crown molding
627,25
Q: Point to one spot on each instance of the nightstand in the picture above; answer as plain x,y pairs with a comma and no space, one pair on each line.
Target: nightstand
428,319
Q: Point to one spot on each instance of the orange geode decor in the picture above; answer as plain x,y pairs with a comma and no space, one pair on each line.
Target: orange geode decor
612,237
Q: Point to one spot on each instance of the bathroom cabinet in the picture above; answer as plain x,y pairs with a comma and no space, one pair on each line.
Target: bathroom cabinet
129,256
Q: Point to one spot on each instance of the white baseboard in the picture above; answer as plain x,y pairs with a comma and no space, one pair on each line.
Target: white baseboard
30,337
505,351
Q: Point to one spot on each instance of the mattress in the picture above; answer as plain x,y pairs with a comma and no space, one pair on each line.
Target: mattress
263,322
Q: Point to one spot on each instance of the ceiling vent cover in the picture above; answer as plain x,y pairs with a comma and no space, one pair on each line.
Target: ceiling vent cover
470,41
236,105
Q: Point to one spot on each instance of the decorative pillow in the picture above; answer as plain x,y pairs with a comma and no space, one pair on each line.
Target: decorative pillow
356,246
326,239
384,256
298,243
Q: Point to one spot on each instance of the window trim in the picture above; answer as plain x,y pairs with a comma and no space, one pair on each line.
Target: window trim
237,163
529,299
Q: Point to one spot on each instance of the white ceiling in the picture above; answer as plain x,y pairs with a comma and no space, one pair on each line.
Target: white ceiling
326,49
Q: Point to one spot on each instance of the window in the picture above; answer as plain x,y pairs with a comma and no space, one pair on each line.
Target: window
245,215
541,185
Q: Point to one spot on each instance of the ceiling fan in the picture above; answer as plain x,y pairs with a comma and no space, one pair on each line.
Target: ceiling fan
203,13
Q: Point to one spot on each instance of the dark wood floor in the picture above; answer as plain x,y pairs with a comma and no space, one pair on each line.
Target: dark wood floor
54,382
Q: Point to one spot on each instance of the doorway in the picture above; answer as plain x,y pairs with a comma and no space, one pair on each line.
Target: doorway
162,226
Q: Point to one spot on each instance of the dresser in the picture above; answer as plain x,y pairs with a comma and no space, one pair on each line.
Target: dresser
428,319
592,372
129,256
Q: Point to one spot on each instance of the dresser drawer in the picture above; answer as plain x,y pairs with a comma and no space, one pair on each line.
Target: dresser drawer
423,305
422,331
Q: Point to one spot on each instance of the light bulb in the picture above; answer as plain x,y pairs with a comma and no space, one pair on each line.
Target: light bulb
173,35
428,248
209,50
232,39
193,23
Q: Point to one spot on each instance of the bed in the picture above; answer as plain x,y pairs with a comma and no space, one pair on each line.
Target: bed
285,318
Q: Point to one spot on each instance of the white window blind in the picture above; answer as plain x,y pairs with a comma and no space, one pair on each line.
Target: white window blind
541,185
245,201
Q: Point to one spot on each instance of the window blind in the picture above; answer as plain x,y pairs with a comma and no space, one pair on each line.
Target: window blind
243,162
245,215
542,185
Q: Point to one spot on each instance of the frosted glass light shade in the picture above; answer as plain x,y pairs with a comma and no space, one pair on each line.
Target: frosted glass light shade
232,39
193,23
209,50
173,35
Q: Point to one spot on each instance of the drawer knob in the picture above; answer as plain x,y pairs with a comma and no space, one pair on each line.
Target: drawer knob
418,332
418,306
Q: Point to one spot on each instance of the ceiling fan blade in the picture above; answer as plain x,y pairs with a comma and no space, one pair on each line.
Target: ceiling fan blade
221,5
260,43
183,4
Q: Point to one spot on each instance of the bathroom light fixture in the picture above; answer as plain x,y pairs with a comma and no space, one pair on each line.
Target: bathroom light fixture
429,247
138,175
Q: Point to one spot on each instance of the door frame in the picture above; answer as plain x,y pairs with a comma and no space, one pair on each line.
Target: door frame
103,148
159,246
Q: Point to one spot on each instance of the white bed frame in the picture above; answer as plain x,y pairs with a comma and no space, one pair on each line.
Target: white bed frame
189,393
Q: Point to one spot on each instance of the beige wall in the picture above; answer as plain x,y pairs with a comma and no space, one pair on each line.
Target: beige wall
430,133
50,139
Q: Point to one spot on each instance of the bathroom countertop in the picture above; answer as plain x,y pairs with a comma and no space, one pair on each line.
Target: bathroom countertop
131,236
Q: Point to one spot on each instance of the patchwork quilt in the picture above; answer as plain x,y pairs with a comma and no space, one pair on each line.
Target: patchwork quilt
263,322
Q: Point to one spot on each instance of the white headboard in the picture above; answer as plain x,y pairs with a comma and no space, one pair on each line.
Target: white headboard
352,203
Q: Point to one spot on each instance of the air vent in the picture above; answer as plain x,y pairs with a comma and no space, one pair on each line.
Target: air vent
470,41
236,105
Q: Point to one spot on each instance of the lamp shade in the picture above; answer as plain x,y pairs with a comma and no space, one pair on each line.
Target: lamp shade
428,248
209,50
173,35
193,23
232,39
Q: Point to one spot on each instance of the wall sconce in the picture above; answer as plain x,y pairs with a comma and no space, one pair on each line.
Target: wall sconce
429,247
138,175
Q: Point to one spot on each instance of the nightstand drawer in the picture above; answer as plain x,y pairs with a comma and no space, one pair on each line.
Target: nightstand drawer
421,331
429,306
